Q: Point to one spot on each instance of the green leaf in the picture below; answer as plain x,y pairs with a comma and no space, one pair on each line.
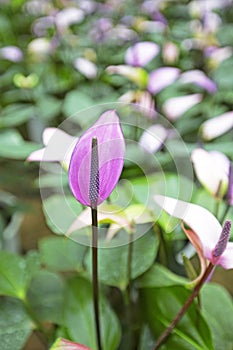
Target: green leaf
46,296
49,107
61,212
217,308
116,259
76,101
16,114
15,325
79,318
160,276
13,146
14,275
61,254
161,305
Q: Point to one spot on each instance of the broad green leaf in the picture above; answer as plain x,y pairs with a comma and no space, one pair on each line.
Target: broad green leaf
49,107
76,101
13,146
63,344
14,275
159,276
16,114
46,296
161,305
116,260
15,324
60,212
61,254
79,317
217,308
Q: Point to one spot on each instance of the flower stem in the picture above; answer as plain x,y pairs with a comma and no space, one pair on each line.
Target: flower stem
186,305
129,265
95,274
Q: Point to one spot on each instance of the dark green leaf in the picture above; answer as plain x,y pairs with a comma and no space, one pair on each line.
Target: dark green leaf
160,276
60,212
46,296
16,114
79,318
218,310
161,305
116,259
62,254
13,146
15,325
14,276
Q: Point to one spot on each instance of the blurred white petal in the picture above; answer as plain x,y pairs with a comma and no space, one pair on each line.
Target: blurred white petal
217,126
175,107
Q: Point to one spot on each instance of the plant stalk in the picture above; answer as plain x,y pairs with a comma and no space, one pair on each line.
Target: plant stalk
186,305
95,274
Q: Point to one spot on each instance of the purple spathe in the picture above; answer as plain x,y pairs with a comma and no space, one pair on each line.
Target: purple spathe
111,149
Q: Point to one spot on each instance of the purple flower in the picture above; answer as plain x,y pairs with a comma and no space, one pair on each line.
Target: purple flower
11,53
161,78
140,54
97,160
197,77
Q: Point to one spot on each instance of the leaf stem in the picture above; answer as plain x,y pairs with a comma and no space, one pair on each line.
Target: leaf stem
225,213
95,274
186,305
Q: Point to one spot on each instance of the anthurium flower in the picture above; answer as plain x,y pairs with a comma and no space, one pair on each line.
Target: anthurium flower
175,107
217,126
153,138
95,168
141,101
59,147
161,78
212,170
136,74
140,54
206,234
63,344
86,67
199,78
114,215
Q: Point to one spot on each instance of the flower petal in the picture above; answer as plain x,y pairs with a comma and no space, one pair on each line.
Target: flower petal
161,78
217,126
211,169
64,344
174,107
141,53
199,78
200,220
36,156
226,259
153,138
111,150
59,147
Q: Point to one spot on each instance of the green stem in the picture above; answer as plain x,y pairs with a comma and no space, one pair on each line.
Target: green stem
225,213
95,274
216,210
129,266
186,305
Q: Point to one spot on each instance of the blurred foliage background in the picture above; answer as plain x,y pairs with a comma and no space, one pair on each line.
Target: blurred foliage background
56,59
